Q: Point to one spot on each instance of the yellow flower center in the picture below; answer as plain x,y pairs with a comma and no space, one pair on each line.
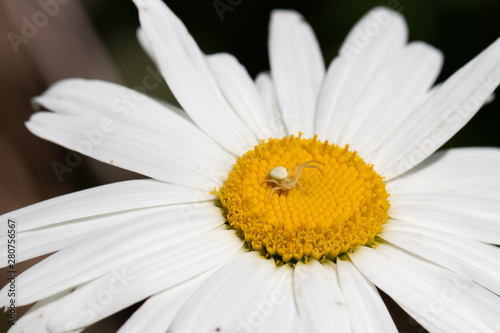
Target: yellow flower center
341,205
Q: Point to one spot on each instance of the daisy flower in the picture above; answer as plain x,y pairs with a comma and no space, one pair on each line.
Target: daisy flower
278,204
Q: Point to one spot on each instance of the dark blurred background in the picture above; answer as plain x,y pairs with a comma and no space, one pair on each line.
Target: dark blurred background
97,39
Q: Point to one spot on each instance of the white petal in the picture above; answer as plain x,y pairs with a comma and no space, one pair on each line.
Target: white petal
158,312
471,259
285,317
125,128
177,110
455,191
241,92
95,98
146,276
146,44
457,166
184,67
93,256
267,92
152,154
490,99
450,106
35,320
319,299
233,299
374,39
437,298
297,69
101,200
46,240
398,85
366,309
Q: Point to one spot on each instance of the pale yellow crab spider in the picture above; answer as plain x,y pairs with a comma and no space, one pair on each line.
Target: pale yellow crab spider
279,176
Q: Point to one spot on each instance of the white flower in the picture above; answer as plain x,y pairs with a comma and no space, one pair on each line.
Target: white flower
164,238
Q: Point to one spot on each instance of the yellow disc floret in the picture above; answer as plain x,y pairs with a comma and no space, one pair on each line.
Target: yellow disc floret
340,205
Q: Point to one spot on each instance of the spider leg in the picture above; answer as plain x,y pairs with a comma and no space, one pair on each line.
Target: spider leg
272,181
309,162
297,174
306,165
301,188
272,191
315,167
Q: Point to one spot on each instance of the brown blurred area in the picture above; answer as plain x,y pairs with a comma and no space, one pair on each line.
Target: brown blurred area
46,41
43,42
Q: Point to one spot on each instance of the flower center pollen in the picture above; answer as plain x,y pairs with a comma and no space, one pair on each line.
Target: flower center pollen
341,205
